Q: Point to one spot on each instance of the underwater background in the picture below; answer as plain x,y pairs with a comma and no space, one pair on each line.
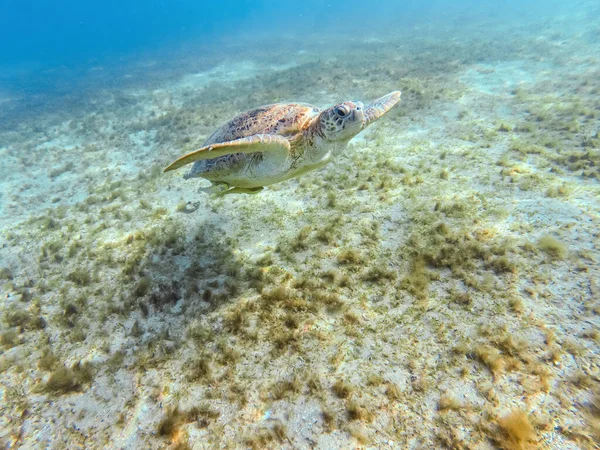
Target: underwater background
437,285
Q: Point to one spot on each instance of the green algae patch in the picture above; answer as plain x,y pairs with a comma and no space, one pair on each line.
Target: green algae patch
552,247
64,380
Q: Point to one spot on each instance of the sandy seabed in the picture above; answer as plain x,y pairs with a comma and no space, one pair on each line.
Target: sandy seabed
437,286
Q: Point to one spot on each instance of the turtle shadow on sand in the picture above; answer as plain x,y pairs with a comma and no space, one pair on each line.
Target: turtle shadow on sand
186,276
182,280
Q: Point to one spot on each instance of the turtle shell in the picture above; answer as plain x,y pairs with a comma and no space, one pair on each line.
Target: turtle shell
284,119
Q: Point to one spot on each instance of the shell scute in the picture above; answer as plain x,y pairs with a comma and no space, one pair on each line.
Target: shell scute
279,119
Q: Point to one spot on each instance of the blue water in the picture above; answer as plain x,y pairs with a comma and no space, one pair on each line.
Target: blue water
70,32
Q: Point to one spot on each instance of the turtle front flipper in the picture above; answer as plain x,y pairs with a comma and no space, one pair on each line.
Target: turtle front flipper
380,106
252,144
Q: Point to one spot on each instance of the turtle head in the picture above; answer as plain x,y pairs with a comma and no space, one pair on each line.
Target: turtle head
342,122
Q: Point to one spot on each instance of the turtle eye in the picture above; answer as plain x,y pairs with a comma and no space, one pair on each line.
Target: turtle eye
341,111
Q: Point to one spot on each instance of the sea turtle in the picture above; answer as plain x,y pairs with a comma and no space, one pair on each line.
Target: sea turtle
277,142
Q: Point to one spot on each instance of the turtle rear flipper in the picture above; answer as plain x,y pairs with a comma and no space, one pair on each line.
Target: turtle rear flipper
217,189
239,190
379,107
258,143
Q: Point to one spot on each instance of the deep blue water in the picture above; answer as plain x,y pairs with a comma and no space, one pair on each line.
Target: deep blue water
48,33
